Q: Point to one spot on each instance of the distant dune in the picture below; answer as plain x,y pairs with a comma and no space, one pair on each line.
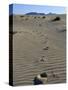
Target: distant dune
34,13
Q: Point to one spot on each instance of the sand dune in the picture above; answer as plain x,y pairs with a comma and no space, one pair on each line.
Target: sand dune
33,38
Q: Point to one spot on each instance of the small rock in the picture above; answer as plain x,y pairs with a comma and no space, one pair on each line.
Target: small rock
43,75
37,81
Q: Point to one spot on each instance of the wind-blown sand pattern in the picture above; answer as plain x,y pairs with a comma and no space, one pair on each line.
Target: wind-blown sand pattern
35,37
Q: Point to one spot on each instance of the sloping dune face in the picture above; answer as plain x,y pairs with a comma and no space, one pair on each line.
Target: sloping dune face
39,45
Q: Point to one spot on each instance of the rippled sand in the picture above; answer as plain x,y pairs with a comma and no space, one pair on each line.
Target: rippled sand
33,38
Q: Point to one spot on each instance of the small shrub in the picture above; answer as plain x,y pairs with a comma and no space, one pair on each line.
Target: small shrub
56,19
21,16
43,17
34,17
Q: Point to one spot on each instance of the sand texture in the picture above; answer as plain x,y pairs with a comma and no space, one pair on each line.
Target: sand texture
34,38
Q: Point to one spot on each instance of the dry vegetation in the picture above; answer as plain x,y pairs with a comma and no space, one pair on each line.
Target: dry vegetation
56,19
43,17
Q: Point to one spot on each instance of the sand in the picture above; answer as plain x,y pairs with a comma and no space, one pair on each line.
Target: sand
35,37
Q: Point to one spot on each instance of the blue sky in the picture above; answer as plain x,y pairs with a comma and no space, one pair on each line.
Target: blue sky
23,8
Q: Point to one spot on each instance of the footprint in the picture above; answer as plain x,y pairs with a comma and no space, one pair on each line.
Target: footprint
43,59
54,75
46,48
